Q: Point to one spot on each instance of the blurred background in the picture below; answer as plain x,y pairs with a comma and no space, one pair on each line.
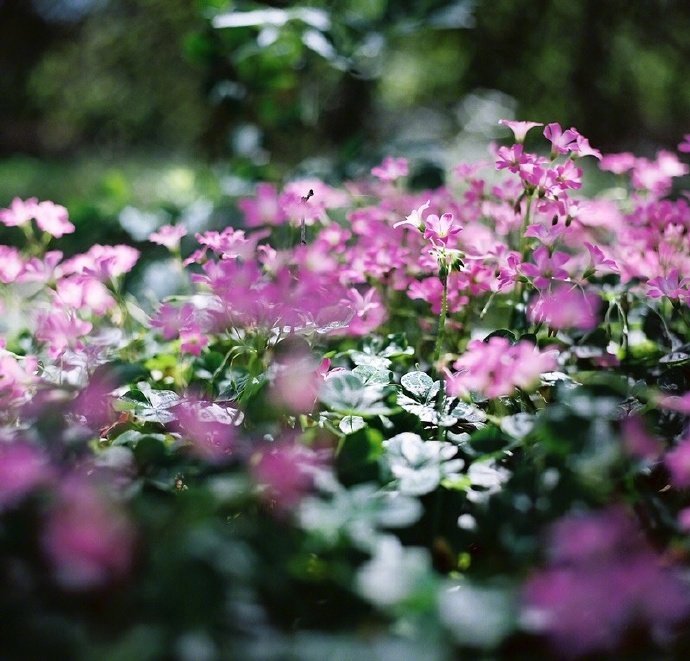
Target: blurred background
138,112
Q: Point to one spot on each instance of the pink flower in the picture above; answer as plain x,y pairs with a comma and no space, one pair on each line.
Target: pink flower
637,441
391,169
519,129
415,218
83,291
102,262
169,236
88,539
617,163
19,213
561,141
17,376
296,381
170,319
264,208
568,176
495,368
52,218
41,269
11,264
675,403
684,146
547,267
511,158
672,286
286,473
370,312
192,340
23,468
61,329
210,427
678,463
583,148
603,581
565,307
439,230
599,262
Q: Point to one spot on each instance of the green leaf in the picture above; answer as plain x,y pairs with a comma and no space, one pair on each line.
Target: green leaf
468,413
502,332
346,393
422,387
372,375
489,439
132,437
518,425
351,424
369,360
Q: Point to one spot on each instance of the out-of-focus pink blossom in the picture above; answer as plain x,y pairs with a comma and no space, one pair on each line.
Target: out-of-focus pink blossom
684,145
82,291
599,262
547,267
495,368
637,441
286,472
678,463
193,340
617,163
20,212
11,264
656,176
41,269
672,286
169,236
391,169
684,519
53,219
369,311
61,329
603,581
264,208
415,218
565,307
519,129
210,428
23,468
296,381
17,376
89,541
102,262
675,403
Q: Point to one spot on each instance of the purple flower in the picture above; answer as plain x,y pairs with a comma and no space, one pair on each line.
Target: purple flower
561,141
169,236
547,267
678,463
495,368
391,169
565,307
23,468
519,129
602,581
88,539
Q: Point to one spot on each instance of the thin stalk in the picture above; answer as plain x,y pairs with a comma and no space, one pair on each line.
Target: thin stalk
440,335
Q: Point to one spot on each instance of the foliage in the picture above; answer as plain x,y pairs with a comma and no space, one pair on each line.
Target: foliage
376,421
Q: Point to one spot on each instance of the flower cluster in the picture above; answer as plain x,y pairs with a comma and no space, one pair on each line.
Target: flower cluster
369,403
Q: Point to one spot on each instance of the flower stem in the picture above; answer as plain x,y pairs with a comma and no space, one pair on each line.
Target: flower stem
440,335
